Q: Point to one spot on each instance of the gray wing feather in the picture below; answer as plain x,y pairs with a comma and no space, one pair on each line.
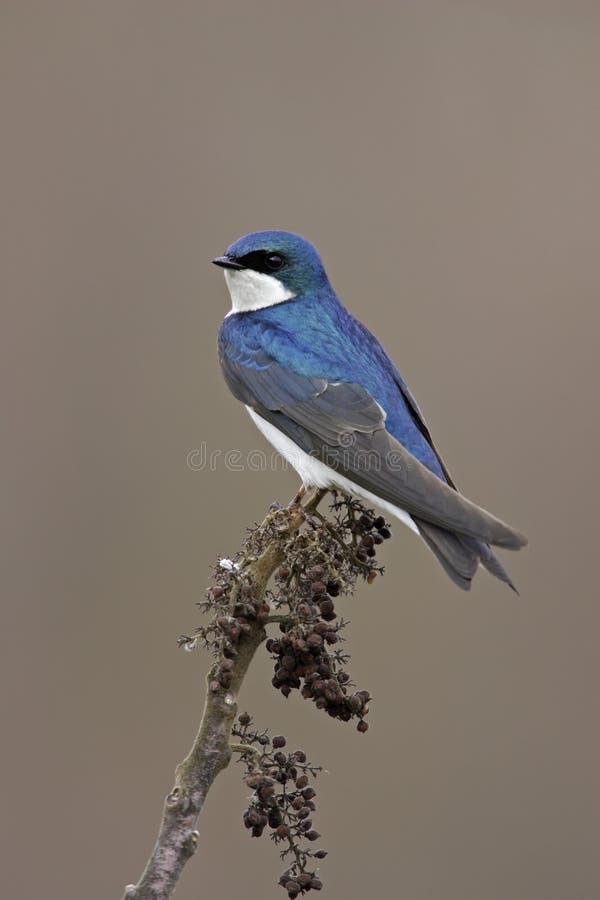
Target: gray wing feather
342,425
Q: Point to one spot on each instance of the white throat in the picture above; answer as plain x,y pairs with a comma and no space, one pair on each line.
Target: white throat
252,290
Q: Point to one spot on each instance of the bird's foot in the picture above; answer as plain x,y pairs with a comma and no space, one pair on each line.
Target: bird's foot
297,501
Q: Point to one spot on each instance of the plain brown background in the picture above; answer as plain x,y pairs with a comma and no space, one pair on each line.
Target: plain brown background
444,156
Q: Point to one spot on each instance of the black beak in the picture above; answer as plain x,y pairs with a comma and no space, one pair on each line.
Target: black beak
227,263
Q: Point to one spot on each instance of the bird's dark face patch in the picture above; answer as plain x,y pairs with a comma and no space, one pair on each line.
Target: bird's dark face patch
268,262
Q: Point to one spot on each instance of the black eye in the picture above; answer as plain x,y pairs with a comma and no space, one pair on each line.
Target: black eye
274,261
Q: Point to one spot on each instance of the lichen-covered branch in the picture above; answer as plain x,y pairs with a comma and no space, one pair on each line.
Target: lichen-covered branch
211,752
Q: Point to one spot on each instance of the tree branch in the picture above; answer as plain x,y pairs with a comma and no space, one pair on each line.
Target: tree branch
211,751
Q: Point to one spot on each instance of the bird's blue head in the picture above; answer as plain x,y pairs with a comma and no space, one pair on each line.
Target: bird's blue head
269,267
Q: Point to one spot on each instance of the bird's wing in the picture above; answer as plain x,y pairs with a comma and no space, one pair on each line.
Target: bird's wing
342,425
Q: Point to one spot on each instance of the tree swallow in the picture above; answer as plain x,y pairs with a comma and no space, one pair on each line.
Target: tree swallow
325,393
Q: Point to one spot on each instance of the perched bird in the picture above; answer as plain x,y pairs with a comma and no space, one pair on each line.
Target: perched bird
325,393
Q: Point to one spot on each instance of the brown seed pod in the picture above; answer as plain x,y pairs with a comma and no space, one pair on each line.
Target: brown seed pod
254,781
326,606
356,703
265,791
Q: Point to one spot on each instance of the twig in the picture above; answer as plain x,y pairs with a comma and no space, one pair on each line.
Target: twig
211,751
247,749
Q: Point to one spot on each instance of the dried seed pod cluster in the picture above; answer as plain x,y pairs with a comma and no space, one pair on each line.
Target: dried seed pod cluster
235,612
321,564
283,800
303,660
